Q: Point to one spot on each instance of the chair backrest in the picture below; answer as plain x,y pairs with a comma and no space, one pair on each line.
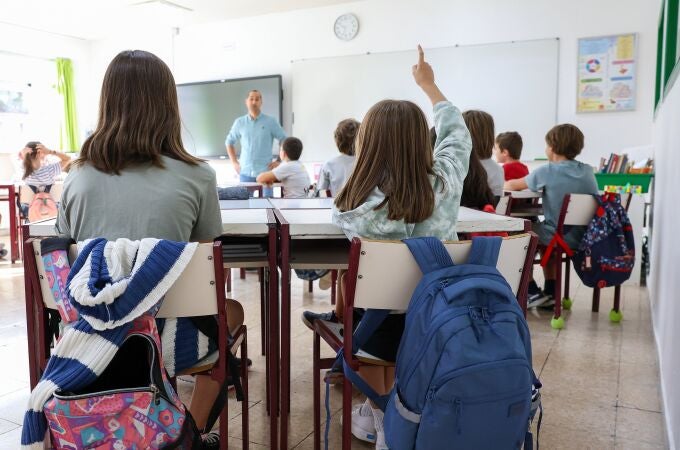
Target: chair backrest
193,294
388,273
578,209
503,205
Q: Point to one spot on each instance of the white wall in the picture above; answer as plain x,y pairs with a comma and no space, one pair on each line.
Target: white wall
664,283
267,44
27,42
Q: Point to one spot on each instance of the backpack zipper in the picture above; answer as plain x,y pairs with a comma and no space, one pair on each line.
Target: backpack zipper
434,327
153,388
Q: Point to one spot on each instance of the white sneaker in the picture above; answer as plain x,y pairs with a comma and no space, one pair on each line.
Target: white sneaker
378,416
326,281
363,423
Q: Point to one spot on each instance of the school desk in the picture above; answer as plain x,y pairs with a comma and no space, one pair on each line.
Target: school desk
309,240
302,203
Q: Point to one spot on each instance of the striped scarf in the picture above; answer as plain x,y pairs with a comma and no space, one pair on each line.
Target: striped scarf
110,284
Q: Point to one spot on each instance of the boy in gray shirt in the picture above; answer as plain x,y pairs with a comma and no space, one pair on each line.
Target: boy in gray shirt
561,176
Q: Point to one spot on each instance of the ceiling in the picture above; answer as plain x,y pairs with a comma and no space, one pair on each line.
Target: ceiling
98,19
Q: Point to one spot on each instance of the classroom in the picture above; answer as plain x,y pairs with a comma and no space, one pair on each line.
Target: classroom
199,198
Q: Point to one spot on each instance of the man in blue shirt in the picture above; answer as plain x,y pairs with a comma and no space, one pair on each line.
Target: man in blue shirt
256,133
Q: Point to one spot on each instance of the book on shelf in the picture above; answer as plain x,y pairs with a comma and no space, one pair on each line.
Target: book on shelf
620,164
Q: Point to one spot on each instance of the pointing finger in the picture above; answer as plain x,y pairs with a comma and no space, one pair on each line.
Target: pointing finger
421,55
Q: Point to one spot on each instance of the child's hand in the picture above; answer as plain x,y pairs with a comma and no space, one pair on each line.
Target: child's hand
422,72
42,150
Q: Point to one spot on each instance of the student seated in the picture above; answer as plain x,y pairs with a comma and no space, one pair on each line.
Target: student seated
508,150
561,176
134,179
291,173
481,128
380,202
39,173
476,191
335,171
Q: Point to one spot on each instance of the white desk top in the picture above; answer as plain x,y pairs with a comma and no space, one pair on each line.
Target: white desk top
43,228
252,203
316,223
252,222
245,221
526,193
311,223
302,203
474,221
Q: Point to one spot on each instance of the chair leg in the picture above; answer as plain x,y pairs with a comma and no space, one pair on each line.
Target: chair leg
263,302
228,279
567,272
346,415
557,256
596,300
243,273
310,289
224,425
317,392
245,424
334,282
617,298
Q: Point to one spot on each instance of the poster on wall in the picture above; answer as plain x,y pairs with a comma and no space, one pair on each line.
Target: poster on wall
607,73
12,100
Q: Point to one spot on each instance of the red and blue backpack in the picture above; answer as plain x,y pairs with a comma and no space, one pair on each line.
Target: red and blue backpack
606,255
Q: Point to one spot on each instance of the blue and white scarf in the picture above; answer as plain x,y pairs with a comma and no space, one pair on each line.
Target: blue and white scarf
110,284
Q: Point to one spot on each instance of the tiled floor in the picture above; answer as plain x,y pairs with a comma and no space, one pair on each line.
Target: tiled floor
600,379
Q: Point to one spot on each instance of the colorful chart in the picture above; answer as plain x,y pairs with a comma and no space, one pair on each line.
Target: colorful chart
593,66
607,73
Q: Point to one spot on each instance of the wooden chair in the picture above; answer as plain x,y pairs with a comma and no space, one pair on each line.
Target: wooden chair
199,291
371,264
579,209
503,205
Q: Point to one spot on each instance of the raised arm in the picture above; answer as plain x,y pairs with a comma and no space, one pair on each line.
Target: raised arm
453,144
64,159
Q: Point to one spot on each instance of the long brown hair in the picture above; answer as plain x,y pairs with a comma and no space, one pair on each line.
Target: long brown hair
138,116
394,154
29,157
476,191
482,131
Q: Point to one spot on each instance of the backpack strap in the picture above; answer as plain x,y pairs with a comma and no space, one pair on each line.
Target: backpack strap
429,253
485,250
370,322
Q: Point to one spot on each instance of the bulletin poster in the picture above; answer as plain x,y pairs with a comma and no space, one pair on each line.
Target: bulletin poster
607,73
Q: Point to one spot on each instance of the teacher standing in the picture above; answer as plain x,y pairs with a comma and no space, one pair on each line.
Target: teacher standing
256,133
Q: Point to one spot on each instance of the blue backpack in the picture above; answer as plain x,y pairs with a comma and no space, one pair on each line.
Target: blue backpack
463,373
606,255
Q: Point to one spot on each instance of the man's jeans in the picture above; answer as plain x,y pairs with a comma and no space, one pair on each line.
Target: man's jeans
267,192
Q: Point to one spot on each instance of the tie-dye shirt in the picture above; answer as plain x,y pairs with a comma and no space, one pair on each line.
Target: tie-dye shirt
451,158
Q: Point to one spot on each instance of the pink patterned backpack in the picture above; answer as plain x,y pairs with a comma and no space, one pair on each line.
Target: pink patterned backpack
126,407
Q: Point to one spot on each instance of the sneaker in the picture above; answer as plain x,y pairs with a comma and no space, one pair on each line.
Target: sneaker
549,303
363,422
210,441
537,299
308,317
378,417
326,281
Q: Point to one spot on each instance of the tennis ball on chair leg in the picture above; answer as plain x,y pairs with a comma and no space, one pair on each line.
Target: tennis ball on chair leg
557,323
615,316
567,303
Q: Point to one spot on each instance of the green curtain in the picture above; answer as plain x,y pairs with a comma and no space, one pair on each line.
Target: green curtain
68,134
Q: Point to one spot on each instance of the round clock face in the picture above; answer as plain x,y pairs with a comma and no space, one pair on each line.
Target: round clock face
346,27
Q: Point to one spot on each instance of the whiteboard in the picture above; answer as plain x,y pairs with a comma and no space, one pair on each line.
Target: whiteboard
516,82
